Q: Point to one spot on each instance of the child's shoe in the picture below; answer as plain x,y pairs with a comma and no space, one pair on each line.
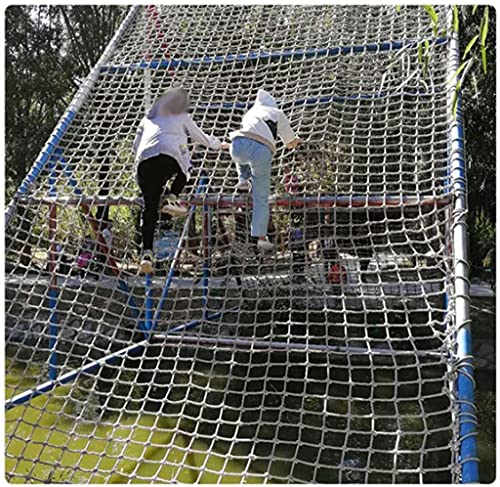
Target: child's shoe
147,262
173,206
244,185
265,245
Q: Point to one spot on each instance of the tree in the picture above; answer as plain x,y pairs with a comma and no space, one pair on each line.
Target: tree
479,111
49,50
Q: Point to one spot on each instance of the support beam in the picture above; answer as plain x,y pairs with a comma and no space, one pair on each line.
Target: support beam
202,186
296,201
464,387
254,345
53,294
171,63
326,99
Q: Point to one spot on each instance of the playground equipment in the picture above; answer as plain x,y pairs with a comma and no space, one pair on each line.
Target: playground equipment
345,356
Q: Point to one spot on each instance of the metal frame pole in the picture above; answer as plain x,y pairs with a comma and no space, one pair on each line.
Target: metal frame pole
149,302
468,458
202,187
53,294
73,375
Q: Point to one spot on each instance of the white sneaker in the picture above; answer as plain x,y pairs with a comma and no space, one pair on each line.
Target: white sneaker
265,245
147,262
244,185
173,206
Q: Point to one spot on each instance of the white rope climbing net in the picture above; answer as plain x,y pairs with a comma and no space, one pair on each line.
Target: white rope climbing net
337,358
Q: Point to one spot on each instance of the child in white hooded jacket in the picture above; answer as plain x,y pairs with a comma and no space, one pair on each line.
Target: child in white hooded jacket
252,149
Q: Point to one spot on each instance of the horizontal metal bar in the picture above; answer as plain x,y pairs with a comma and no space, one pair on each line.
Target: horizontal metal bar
225,201
317,100
345,201
269,345
172,63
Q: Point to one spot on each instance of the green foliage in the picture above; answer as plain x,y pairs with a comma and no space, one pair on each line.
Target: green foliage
484,34
49,50
470,45
479,113
475,79
456,18
482,232
434,17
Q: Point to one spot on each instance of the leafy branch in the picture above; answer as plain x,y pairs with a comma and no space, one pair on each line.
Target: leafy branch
475,55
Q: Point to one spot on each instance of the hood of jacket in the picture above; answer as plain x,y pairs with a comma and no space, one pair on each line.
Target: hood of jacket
266,99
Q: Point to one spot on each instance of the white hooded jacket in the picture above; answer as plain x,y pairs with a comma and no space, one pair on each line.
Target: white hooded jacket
265,122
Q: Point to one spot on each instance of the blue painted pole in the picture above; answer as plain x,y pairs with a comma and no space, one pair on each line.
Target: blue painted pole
317,100
149,302
52,178
464,369
132,304
272,55
69,175
69,377
202,187
53,294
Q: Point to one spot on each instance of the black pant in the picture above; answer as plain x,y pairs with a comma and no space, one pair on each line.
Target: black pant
153,175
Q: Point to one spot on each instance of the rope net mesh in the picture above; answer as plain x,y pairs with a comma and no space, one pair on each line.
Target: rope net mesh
331,360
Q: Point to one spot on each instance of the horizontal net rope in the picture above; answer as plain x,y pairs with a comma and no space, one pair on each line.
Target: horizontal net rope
332,360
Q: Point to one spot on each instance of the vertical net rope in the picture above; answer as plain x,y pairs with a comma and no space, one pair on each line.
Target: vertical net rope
336,358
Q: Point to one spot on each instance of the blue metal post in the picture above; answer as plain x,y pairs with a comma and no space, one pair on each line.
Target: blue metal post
468,458
283,55
73,375
53,294
202,186
465,369
52,177
149,302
